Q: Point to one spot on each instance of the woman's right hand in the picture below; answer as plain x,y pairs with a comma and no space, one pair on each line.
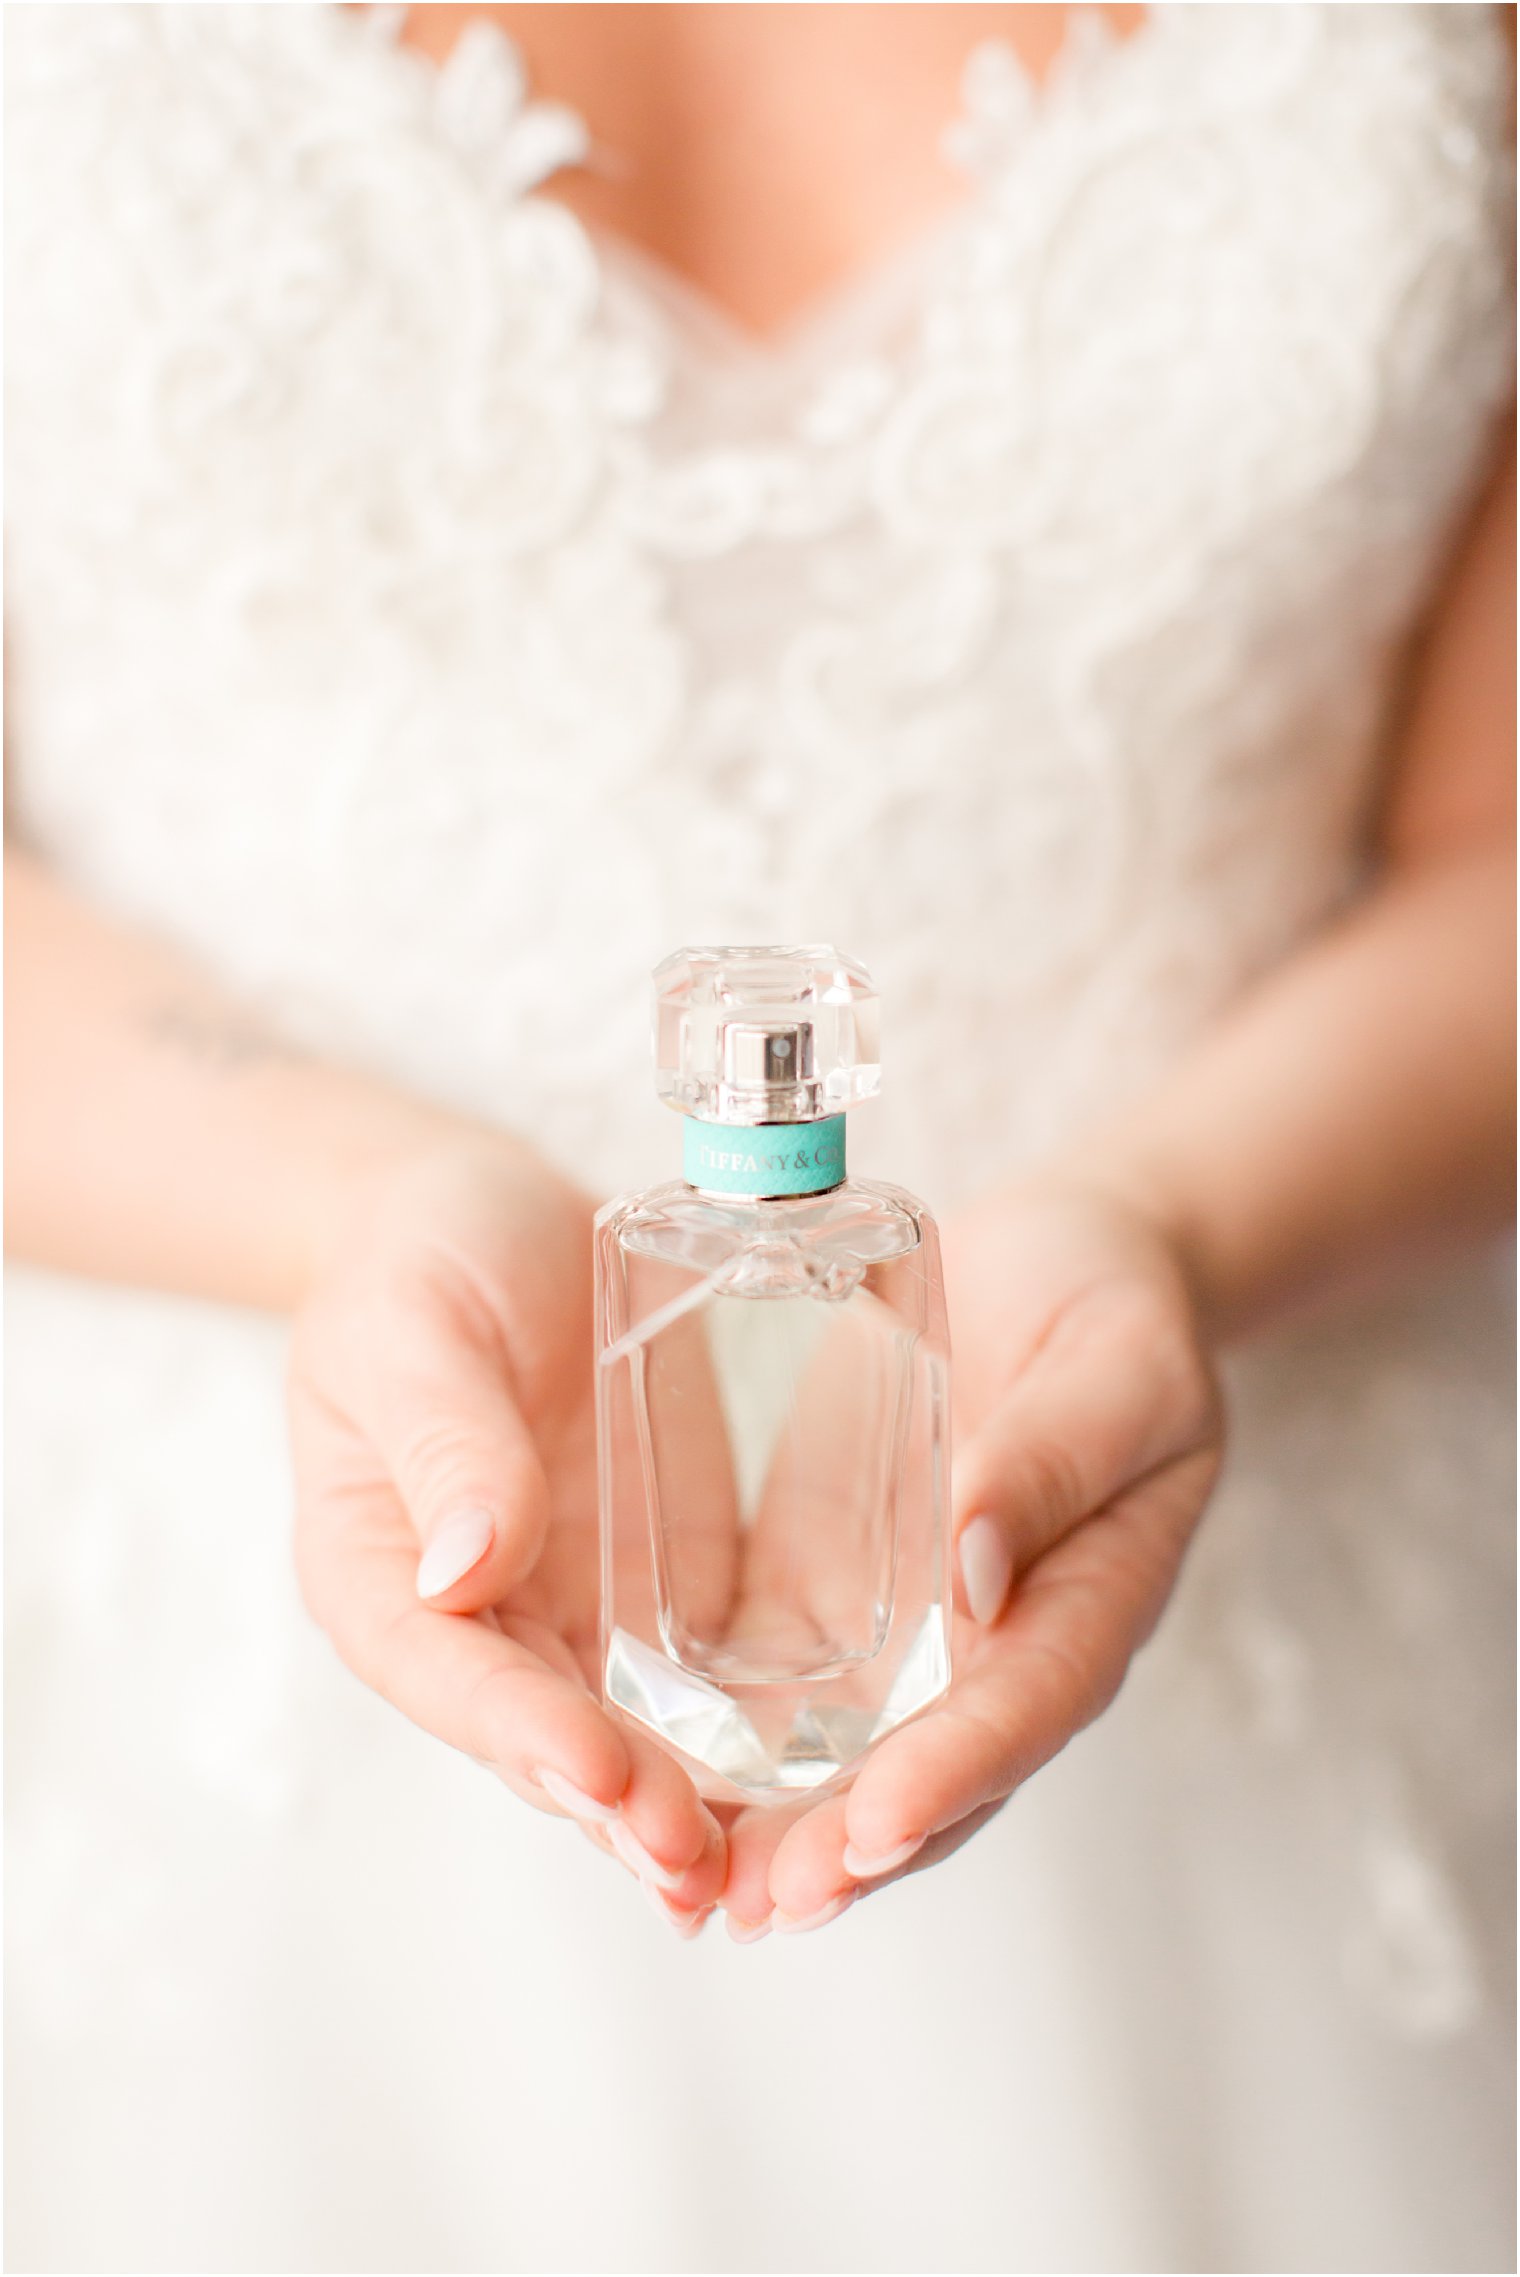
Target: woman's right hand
446,1524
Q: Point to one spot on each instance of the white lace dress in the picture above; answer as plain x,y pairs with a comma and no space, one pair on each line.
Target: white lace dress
430,616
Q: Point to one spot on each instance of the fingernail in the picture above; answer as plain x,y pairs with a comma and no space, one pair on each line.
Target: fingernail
459,1543
632,1852
871,1869
571,1799
831,1912
986,1568
747,1932
686,1925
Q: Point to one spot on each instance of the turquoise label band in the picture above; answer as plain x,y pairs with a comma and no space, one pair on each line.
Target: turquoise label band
768,1159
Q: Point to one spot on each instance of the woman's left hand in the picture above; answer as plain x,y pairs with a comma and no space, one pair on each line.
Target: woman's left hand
1088,1437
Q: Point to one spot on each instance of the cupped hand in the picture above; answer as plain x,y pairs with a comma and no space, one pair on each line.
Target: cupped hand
446,1530
1087,1438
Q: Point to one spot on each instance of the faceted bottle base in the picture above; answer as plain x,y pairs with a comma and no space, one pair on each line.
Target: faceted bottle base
765,1742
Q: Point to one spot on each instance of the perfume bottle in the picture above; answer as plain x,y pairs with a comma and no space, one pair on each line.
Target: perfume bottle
772,1365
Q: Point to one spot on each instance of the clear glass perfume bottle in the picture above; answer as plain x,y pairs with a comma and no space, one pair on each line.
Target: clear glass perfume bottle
771,1396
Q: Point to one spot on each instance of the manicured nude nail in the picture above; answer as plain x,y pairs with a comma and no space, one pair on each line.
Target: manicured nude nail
632,1852
747,1932
871,1869
789,1927
684,1924
458,1544
986,1568
571,1799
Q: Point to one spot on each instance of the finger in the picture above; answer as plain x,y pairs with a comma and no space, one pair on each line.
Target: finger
753,1838
464,1464
1053,1664
470,1684
1082,1422
654,1832
816,1864
479,1687
649,1834
809,1883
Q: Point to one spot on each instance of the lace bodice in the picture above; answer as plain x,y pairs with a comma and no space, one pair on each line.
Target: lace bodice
432,616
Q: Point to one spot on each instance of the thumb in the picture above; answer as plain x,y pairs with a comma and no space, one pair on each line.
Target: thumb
1081,1425
465,1466
1036,1468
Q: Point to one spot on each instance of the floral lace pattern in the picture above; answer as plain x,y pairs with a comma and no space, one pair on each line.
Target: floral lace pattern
431,622
1032,636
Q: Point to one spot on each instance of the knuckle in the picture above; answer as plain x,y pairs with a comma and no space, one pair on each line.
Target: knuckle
1048,1482
1192,1389
992,1745
434,1458
494,1709
1087,1681
381,1652
1183,1391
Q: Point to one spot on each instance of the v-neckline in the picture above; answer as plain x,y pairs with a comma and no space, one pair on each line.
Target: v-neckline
721,337
846,320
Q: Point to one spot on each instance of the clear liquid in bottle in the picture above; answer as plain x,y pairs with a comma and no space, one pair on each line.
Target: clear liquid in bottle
772,1401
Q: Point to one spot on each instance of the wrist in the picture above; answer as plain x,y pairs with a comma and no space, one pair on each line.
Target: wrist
1140,1181
397,1148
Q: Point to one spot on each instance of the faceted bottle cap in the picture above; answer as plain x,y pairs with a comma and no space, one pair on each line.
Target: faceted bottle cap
749,1036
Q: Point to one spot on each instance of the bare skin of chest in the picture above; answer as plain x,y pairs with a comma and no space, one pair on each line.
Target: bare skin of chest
764,153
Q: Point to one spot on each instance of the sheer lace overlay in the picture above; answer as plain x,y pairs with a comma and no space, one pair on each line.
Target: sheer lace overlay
431,616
